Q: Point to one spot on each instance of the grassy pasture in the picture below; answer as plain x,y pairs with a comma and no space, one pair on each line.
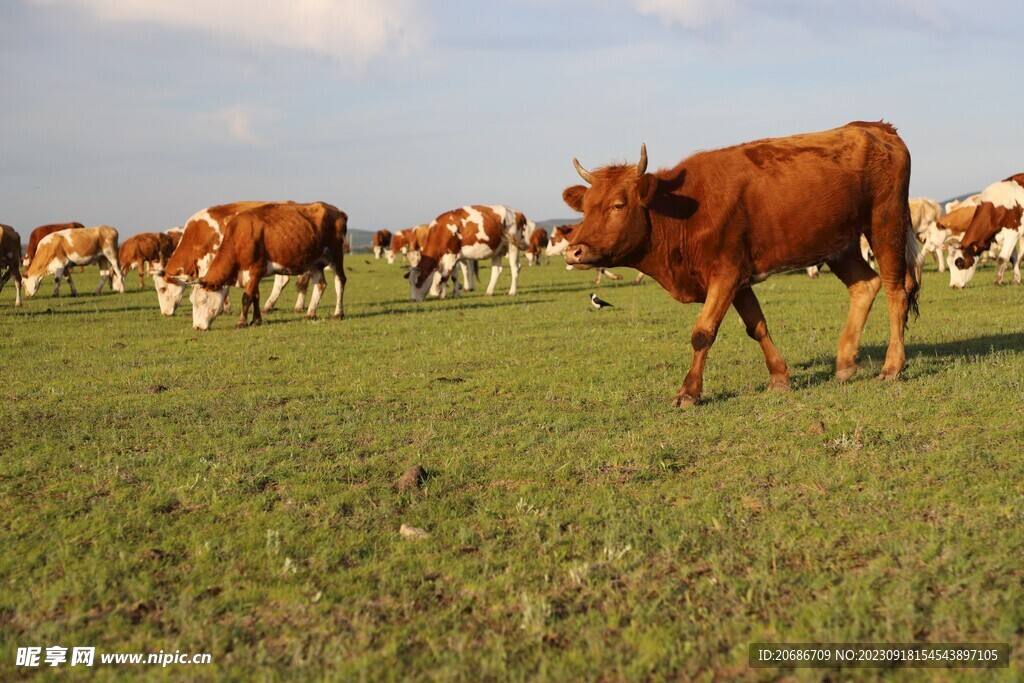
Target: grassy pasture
233,492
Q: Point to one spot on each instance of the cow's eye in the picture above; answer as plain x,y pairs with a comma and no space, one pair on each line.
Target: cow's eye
619,206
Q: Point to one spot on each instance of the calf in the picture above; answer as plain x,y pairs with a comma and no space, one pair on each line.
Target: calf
287,239
147,249
10,260
468,233
59,251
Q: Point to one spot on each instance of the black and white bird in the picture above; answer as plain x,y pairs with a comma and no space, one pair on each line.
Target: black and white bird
598,303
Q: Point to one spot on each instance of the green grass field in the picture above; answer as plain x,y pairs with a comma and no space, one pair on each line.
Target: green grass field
234,492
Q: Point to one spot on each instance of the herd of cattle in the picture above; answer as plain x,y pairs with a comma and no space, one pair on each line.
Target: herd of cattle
706,230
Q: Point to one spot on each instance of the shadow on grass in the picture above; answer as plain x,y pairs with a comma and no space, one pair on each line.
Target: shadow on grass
822,368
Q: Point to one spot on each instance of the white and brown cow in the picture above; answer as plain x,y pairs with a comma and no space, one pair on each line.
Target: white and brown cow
955,226
998,217
10,260
37,235
924,213
59,251
199,242
468,233
284,238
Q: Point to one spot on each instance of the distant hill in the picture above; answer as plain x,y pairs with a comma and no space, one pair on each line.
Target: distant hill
555,222
956,199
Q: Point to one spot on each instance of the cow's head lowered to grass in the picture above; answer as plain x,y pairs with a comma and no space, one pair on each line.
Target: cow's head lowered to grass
615,225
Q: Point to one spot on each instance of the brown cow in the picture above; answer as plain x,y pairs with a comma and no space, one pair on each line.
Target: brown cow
468,233
150,249
723,220
287,239
538,241
199,242
1000,208
10,260
406,241
57,252
381,241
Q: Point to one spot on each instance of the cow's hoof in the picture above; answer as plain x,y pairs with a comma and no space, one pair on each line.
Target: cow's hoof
843,374
338,316
257,322
241,324
888,375
685,401
778,384
311,317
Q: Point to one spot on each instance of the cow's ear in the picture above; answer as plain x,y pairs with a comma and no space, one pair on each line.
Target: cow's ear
646,186
573,196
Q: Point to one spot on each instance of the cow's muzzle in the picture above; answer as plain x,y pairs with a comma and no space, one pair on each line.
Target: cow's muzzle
964,262
581,256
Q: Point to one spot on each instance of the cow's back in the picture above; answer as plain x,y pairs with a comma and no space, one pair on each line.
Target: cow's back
38,234
786,201
201,237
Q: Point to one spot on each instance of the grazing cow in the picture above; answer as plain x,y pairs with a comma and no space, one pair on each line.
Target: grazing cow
287,239
145,250
36,236
57,252
200,240
381,242
473,233
924,213
538,243
10,260
952,206
999,212
406,241
560,240
723,220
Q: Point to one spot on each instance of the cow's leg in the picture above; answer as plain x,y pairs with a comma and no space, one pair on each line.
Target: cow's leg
897,279
251,297
142,280
597,278
339,290
280,282
747,306
1005,253
720,297
104,276
513,264
117,282
940,258
17,285
316,276
863,284
467,274
495,272
1016,264
301,286
71,283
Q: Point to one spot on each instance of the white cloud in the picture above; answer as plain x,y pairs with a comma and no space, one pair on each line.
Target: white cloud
701,14
240,123
350,32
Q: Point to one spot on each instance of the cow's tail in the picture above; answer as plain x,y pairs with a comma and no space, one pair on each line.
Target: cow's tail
915,262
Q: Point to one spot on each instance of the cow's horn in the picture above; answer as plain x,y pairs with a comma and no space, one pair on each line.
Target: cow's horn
641,166
584,173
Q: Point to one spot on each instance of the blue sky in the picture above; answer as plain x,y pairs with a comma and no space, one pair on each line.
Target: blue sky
137,113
